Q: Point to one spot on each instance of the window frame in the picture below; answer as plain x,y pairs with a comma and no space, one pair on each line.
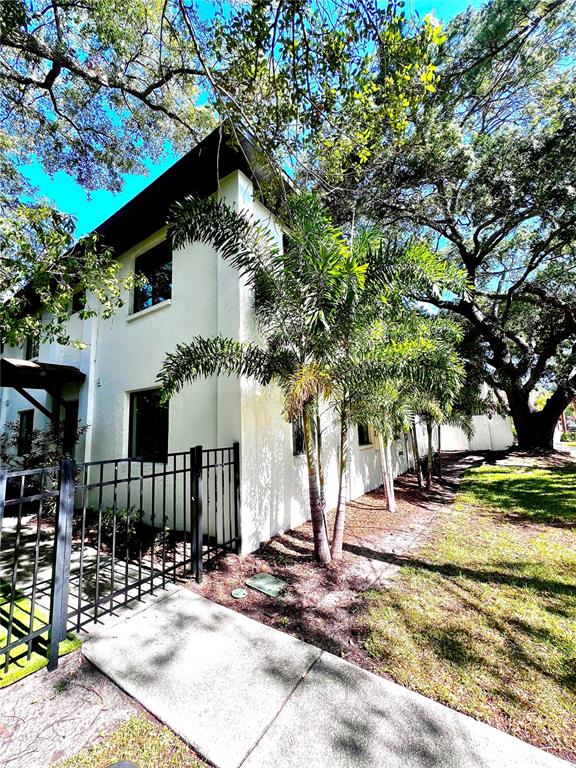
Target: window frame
28,412
369,443
31,347
78,304
159,457
139,300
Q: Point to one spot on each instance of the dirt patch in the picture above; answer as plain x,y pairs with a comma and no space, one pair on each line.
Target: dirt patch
322,603
52,715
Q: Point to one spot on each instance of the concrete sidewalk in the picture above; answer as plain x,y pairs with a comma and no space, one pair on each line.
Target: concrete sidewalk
244,694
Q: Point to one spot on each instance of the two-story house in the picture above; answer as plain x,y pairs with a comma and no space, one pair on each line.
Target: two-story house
110,385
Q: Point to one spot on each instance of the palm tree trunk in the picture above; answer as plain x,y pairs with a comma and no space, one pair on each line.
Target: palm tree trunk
387,479
340,520
440,451
320,455
388,464
382,457
321,548
430,456
416,453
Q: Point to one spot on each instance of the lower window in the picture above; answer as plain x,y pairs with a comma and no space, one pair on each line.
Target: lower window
364,435
298,436
148,436
25,432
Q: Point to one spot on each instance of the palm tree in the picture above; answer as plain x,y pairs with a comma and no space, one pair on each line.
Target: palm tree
299,295
437,382
319,304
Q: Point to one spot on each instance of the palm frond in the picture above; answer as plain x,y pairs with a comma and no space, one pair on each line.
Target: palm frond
241,241
202,357
305,383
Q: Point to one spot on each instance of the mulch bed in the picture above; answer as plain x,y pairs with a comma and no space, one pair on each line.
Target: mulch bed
322,604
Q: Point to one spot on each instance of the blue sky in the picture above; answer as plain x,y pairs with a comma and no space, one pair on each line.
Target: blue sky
89,212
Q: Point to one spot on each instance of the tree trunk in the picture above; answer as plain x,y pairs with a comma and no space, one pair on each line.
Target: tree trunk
391,496
320,455
406,450
340,520
416,453
439,451
430,462
317,512
535,429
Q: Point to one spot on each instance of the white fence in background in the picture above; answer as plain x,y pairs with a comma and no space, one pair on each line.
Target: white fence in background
490,434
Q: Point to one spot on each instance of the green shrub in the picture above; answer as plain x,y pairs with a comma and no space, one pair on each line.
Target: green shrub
125,523
568,437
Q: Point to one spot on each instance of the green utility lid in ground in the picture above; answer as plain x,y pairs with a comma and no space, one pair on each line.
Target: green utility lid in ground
266,583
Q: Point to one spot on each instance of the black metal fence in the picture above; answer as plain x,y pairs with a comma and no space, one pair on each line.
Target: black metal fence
80,540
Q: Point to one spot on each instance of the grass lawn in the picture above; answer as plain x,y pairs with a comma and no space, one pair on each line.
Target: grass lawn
140,740
20,665
484,618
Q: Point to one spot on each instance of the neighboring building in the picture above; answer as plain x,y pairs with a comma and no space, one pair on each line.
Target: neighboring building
111,384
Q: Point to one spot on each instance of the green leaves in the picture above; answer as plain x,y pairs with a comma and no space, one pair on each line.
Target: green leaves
12,15
204,357
331,310
41,271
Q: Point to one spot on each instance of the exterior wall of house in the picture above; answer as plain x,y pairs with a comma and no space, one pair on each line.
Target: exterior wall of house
123,354
274,481
131,349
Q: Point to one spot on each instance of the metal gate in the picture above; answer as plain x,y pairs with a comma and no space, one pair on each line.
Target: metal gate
79,541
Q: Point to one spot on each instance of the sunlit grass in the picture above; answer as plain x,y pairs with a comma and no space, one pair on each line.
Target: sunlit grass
139,740
484,619
23,663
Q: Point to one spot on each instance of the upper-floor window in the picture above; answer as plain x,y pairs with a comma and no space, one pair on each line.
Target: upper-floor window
31,348
78,301
364,437
148,436
155,266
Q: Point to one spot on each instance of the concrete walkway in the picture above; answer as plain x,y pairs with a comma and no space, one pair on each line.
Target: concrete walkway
244,694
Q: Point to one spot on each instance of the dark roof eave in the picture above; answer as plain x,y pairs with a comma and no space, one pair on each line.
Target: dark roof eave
32,374
197,172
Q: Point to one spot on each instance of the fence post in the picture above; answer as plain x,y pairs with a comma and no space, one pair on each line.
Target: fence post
61,563
197,493
3,481
238,531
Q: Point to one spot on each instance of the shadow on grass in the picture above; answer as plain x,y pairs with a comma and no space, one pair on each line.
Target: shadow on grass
485,575
521,495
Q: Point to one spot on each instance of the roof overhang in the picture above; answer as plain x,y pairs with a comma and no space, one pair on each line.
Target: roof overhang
28,374
198,172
